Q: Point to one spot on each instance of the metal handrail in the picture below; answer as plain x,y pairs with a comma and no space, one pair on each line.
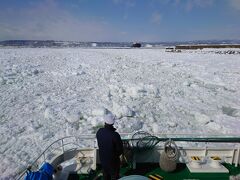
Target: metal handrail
188,135
228,138
213,140
43,154
128,136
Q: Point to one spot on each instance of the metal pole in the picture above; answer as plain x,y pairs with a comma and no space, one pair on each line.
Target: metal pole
44,158
237,158
62,146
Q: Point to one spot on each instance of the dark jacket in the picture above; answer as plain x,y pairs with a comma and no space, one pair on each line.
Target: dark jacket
110,147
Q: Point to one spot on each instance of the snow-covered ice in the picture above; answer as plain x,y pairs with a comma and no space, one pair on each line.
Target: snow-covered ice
46,94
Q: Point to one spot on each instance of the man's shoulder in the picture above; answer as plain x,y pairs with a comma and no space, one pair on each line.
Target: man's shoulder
100,130
117,134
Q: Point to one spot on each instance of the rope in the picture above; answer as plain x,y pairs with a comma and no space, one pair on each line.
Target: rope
142,140
171,151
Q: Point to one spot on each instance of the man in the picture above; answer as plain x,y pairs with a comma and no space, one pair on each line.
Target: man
110,148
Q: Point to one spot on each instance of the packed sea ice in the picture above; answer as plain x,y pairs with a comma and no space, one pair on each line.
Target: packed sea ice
48,93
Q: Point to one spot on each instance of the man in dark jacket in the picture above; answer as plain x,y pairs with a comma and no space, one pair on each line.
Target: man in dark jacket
110,148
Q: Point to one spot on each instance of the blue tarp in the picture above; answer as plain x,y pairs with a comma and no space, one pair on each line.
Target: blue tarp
44,173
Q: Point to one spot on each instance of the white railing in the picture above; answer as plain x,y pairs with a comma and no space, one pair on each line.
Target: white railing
57,147
68,143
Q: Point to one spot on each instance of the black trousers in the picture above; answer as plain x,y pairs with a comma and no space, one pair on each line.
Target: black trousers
112,174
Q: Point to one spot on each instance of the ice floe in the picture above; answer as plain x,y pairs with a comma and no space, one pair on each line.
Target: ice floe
46,94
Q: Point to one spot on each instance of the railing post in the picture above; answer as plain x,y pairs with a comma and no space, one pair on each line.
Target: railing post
237,157
206,151
134,162
95,143
44,158
62,146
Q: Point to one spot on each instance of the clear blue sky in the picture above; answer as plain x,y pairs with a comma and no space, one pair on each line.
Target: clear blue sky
120,20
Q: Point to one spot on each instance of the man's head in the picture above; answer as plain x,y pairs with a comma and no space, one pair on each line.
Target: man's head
109,119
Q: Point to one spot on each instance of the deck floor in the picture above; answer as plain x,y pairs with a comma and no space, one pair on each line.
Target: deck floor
181,173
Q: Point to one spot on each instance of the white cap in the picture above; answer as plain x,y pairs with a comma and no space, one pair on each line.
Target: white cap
109,119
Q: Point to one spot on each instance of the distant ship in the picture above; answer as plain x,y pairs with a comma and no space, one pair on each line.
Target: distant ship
137,45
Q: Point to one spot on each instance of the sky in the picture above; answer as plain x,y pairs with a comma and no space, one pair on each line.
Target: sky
119,20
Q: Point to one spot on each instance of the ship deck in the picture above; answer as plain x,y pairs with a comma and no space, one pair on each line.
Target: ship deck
153,171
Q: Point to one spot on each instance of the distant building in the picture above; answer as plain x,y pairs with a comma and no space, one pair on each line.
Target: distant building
202,46
94,44
169,49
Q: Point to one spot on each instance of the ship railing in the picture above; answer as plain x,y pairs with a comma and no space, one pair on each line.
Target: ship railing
60,146
227,145
68,143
